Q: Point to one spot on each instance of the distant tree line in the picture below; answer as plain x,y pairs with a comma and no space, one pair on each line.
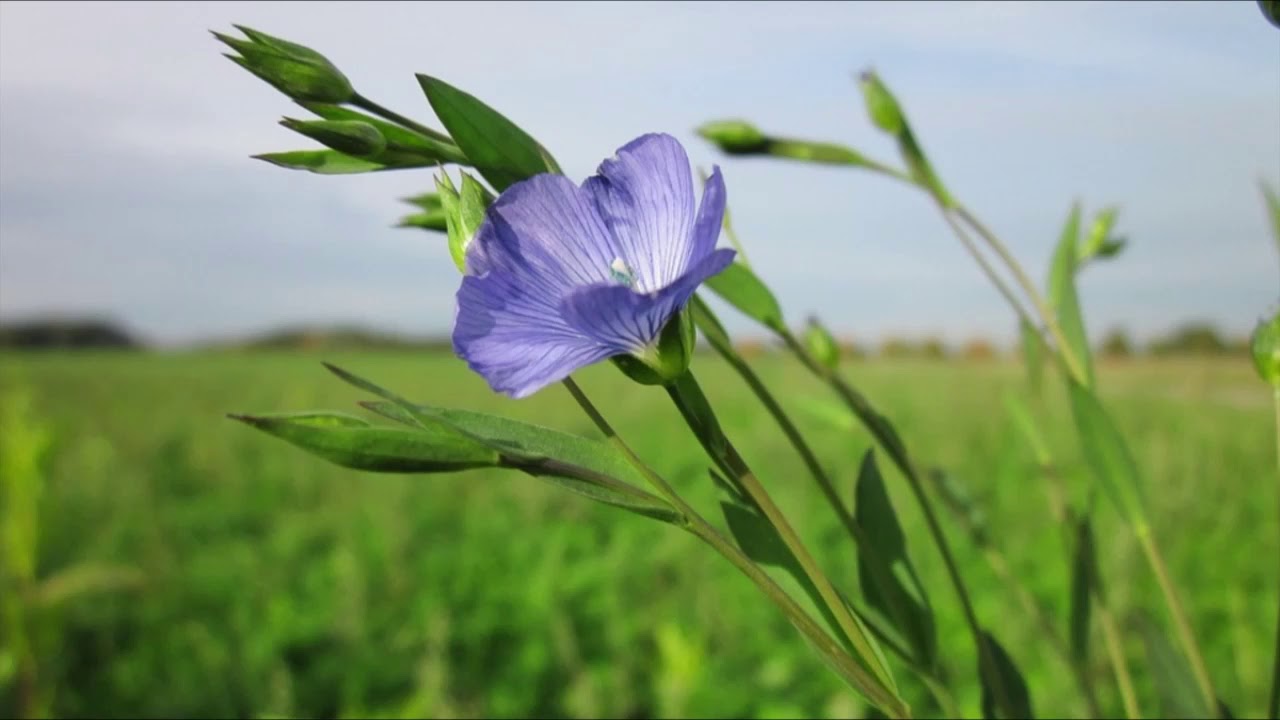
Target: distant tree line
1188,339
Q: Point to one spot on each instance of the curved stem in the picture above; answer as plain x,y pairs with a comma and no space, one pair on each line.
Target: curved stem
845,666
1050,319
1111,635
878,570
696,410
988,269
365,103
892,444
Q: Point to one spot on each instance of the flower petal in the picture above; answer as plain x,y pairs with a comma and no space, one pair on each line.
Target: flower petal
626,321
644,196
546,229
511,332
706,230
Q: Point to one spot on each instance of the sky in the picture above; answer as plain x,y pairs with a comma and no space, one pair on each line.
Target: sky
127,190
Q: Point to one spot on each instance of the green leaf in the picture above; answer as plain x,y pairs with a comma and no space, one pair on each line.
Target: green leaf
429,202
1063,297
351,442
740,287
760,541
588,467
332,162
1107,454
1002,679
426,220
821,345
430,144
1175,685
502,152
889,581
1099,242
1265,348
1085,581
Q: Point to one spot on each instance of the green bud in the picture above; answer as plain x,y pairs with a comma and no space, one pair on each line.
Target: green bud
1266,350
882,106
1100,242
429,220
821,345
346,136
735,137
295,70
463,212
668,359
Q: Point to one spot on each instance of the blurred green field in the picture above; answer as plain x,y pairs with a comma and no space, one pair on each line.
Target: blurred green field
270,583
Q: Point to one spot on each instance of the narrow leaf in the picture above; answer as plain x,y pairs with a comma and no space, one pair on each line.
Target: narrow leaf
353,443
740,287
889,582
1002,679
1032,355
426,139
1062,293
1107,454
502,152
1084,583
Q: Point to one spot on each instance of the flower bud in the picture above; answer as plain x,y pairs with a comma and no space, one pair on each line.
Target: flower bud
821,345
1266,350
668,359
735,137
295,70
463,212
1100,243
882,106
346,136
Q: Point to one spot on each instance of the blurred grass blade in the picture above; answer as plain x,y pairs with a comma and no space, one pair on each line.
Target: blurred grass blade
500,151
351,442
883,565
1032,355
84,580
741,288
1107,454
1062,293
1085,582
1005,675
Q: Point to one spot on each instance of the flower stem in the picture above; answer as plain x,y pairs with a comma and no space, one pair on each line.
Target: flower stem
889,440
365,103
1179,615
1273,703
879,572
1111,635
836,657
696,410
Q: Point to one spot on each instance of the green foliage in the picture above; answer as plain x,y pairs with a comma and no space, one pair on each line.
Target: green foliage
1063,297
739,286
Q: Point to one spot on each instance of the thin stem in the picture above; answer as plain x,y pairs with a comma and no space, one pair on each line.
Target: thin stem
365,103
987,268
1273,703
850,670
893,445
879,570
1111,635
689,399
1180,622
1050,319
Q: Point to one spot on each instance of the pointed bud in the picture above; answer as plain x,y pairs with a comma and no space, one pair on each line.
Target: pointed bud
882,106
463,212
887,114
821,345
1100,243
1266,350
352,137
669,359
735,137
295,70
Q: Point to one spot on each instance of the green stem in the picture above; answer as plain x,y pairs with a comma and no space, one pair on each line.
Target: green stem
990,271
1111,635
879,571
696,410
892,444
1273,703
1050,319
365,103
1179,615
837,658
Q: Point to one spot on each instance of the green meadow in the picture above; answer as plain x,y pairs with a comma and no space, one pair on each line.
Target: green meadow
167,561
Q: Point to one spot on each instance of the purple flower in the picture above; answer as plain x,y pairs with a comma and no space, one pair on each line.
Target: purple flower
560,276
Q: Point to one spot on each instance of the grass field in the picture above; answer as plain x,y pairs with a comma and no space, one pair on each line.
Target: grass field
266,582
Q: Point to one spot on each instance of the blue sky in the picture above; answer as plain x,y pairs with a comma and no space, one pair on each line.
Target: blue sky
126,187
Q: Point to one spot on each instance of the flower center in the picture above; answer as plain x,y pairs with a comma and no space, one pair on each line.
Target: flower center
619,271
